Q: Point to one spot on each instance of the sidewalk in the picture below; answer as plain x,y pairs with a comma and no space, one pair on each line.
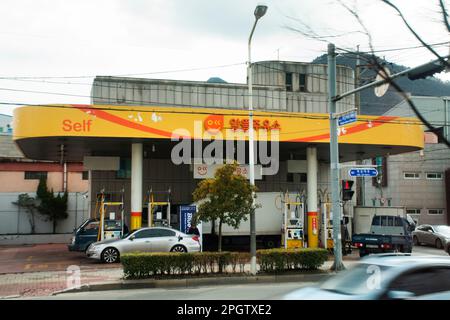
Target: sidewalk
46,283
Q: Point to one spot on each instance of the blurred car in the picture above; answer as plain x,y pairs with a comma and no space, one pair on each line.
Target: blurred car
155,239
384,277
434,235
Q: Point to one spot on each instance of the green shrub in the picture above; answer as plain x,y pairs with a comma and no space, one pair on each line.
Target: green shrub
277,260
146,265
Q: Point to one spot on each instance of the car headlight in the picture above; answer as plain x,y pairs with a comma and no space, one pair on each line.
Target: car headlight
73,240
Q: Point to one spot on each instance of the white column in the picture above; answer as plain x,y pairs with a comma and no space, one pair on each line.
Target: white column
313,222
137,156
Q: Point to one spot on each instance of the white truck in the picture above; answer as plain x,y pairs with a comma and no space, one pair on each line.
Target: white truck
269,225
362,216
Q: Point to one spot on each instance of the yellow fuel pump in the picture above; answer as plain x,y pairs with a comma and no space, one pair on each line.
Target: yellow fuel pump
159,211
111,215
293,226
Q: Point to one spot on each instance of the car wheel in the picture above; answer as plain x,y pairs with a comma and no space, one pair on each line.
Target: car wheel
110,255
416,241
438,244
178,248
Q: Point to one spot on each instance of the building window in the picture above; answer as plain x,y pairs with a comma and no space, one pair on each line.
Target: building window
85,175
302,82
290,177
382,179
35,175
411,175
412,210
435,211
434,175
288,81
124,171
303,177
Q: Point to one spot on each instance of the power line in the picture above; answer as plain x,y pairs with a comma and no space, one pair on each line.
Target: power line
438,44
124,75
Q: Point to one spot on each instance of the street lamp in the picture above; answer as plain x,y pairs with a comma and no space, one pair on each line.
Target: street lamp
260,11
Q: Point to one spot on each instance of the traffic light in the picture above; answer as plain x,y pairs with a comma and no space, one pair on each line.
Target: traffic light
347,192
426,70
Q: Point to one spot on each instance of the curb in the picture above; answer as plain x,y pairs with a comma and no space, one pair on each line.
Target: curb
195,282
11,297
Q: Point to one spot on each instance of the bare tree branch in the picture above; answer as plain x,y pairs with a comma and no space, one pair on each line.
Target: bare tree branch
442,60
444,14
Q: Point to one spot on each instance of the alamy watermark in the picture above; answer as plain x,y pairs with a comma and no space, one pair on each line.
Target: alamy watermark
373,282
225,148
73,280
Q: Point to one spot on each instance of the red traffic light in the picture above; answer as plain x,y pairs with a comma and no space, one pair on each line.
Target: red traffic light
347,184
347,192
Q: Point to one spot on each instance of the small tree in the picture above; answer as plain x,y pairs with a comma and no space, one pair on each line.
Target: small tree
226,198
29,204
51,206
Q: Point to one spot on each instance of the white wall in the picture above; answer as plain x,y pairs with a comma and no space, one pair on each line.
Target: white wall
14,220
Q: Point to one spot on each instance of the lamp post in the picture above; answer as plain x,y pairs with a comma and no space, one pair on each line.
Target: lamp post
260,11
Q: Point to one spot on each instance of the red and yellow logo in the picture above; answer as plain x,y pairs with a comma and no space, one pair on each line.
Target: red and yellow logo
214,123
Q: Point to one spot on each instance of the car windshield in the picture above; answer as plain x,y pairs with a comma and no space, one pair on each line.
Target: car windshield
359,280
443,229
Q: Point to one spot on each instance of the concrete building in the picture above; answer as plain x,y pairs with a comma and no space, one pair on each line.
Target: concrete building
127,136
417,180
20,175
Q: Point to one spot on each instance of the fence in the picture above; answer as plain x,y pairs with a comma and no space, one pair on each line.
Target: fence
15,220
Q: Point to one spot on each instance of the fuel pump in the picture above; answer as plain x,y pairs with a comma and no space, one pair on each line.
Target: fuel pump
111,215
327,226
293,226
159,211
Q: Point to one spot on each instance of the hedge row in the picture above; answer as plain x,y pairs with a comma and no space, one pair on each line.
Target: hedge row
145,265
276,260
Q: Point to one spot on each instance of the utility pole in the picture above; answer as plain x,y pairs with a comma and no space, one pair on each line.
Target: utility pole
334,160
420,72
360,182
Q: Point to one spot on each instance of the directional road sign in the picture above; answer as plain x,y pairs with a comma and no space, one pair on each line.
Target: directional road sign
363,172
347,118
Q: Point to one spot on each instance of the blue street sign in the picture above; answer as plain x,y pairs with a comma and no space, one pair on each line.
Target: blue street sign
363,172
347,118
186,215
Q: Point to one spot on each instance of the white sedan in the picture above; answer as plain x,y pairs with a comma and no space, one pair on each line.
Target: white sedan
155,239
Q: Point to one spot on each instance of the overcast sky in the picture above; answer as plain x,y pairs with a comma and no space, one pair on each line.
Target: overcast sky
75,40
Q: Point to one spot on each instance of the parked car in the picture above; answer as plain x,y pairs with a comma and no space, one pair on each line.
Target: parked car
87,233
387,234
434,235
155,239
393,276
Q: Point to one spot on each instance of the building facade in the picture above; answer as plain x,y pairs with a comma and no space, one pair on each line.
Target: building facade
19,175
417,180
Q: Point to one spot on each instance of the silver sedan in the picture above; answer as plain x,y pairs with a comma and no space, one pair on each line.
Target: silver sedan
384,276
434,235
156,239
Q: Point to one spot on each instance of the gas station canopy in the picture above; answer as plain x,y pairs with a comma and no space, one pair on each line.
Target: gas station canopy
109,130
